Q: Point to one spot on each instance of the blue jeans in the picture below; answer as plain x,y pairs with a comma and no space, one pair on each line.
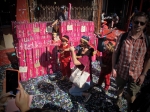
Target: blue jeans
76,91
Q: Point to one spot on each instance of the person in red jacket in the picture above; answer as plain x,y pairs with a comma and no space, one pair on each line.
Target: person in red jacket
106,68
65,57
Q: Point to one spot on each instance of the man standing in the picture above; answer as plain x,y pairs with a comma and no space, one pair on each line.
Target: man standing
131,57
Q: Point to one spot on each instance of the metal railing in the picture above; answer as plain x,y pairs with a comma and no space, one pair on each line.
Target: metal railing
48,13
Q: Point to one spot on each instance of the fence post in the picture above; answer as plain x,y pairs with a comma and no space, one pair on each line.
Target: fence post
97,7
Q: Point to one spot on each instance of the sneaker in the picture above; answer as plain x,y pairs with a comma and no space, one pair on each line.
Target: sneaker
119,102
106,91
98,89
87,97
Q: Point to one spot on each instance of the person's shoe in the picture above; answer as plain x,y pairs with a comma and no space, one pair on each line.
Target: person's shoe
87,97
119,102
106,92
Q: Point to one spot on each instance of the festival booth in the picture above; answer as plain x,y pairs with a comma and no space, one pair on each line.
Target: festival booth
37,51
36,48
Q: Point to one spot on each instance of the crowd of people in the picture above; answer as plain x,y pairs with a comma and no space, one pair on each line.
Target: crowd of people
128,61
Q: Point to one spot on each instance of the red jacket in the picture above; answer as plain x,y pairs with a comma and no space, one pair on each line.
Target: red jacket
64,55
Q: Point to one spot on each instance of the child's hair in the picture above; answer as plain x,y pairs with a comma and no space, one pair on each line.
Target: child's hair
66,37
140,14
86,40
91,51
111,48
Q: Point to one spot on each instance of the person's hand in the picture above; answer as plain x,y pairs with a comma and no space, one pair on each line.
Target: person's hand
114,73
129,18
4,95
140,79
22,99
4,86
68,49
52,25
72,48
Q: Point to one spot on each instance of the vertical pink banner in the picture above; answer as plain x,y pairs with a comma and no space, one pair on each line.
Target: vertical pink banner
42,28
22,59
30,72
24,76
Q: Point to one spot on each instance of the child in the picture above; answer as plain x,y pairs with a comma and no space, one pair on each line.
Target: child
65,57
55,39
106,70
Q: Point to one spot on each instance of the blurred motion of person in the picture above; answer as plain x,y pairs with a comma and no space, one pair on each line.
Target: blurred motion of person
115,20
62,16
103,17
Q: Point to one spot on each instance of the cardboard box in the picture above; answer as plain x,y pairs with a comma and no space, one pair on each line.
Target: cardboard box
6,39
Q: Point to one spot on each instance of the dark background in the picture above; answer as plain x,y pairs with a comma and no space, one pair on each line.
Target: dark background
8,7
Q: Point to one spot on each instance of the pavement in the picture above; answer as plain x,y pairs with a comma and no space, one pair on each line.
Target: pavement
50,92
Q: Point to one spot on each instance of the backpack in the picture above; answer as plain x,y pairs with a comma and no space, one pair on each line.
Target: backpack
124,36
102,41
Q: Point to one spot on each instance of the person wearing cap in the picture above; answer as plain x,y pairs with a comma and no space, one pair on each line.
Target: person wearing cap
62,16
80,46
84,62
65,57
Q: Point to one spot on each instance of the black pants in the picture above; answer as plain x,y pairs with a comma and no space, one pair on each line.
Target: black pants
142,102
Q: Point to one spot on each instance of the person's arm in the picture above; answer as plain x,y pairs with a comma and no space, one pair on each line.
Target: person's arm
55,22
141,78
146,66
114,56
74,58
78,57
115,53
103,17
22,99
112,24
131,16
117,19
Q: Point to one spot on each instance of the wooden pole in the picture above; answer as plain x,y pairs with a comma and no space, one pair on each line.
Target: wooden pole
99,14
141,4
32,4
22,13
129,14
95,13
97,9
